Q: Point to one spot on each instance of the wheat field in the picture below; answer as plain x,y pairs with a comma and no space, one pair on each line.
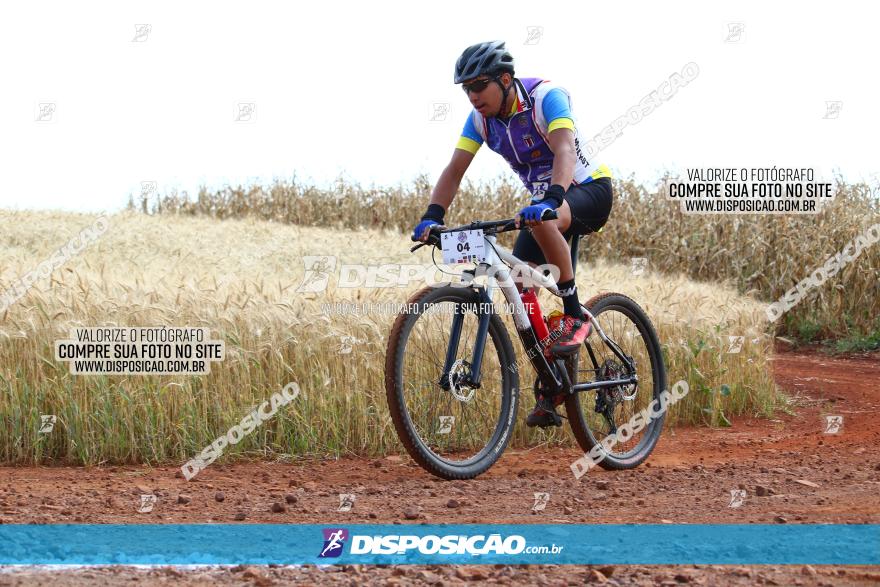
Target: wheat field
239,277
761,255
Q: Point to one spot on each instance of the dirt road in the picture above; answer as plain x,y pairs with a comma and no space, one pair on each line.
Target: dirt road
792,469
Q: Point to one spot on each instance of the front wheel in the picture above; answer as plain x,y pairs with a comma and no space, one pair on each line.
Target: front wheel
596,414
452,428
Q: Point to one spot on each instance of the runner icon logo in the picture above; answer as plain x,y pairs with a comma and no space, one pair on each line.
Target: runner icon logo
446,423
737,497
317,273
148,500
47,423
346,502
334,541
736,344
833,424
638,265
541,501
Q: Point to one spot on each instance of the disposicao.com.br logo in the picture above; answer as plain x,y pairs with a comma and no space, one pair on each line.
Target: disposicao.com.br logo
453,544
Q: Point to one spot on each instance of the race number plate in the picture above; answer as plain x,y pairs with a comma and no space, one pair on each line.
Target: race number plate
464,246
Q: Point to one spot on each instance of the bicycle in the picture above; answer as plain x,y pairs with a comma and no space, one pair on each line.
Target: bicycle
431,386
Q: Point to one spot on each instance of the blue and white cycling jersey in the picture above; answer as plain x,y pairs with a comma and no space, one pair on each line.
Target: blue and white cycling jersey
539,108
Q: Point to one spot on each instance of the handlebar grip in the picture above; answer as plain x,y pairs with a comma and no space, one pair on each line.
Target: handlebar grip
433,237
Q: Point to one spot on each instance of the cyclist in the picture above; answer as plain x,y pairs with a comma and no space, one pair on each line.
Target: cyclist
529,122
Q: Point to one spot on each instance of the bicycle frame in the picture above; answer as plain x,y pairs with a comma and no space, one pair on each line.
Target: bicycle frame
553,377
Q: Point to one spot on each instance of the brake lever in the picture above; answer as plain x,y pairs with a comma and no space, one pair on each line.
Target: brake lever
433,239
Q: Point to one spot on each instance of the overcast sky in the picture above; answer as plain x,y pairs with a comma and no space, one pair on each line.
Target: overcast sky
353,89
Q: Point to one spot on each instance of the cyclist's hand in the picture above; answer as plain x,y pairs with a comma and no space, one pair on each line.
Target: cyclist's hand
533,215
423,228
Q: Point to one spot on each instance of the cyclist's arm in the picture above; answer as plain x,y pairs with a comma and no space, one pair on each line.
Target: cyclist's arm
447,185
556,109
561,142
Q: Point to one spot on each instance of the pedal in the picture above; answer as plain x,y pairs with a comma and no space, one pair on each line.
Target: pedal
557,420
548,418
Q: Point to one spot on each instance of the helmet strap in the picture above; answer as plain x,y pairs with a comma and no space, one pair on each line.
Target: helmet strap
503,108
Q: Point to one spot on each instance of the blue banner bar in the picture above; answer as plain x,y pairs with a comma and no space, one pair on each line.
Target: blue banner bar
180,544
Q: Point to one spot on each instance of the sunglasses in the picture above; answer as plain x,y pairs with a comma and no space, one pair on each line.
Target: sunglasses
476,86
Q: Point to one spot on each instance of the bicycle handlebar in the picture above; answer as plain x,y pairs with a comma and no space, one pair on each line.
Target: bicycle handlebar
490,227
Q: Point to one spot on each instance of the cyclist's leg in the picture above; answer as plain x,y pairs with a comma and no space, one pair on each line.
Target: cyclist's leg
552,242
585,210
590,206
527,249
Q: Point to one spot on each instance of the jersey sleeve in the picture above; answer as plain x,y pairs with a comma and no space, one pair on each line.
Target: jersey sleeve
557,110
471,138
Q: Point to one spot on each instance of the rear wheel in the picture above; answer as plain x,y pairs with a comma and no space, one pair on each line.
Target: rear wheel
596,414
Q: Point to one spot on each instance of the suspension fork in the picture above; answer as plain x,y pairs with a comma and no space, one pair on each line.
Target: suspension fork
475,374
553,377
534,350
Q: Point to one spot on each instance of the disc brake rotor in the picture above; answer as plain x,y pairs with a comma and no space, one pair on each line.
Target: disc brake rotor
607,399
458,375
613,369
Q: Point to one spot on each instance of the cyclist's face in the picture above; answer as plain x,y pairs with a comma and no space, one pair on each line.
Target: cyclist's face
488,100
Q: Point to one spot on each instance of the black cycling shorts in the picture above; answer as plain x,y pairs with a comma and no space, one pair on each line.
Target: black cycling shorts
590,205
